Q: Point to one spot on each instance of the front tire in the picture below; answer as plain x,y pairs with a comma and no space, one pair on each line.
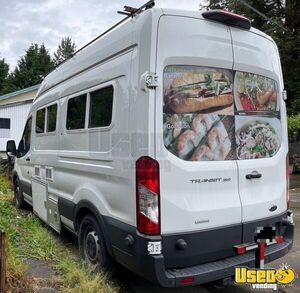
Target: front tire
19,201
92,245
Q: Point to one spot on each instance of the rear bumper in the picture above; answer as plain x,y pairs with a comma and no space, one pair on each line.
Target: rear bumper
221,269
152,267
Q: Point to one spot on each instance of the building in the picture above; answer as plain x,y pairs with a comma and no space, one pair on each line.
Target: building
14,108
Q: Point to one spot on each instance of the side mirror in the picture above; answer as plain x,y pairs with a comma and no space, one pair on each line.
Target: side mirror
11,149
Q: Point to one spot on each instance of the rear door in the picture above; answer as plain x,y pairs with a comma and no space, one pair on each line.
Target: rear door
260,126
195,132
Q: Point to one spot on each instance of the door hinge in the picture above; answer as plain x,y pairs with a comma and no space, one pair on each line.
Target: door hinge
149,80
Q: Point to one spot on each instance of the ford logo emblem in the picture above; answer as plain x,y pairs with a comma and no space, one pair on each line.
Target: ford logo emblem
273,208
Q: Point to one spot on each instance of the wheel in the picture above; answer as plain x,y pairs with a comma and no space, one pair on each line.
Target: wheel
19,201
92,245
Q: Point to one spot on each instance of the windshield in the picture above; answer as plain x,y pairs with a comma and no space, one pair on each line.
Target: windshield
213,114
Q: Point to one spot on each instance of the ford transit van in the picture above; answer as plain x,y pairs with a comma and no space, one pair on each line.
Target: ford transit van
163,146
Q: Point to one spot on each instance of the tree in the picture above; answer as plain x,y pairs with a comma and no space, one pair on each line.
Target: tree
32,67
8,85
4,72
284,27
65,49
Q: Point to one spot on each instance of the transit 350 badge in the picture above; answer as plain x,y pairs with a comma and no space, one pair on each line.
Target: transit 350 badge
265,278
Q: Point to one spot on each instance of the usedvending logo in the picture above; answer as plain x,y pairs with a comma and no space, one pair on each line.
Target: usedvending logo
261,279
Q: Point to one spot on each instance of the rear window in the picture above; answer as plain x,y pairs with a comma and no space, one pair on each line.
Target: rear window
213,114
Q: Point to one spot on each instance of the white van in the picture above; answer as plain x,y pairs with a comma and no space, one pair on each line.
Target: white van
163,146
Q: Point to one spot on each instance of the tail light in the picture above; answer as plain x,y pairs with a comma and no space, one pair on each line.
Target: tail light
147,196
287,177
228,18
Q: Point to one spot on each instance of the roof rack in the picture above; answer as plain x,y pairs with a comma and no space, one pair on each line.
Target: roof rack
128,11
131,11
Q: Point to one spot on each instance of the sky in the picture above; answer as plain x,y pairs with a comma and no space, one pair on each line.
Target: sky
23,22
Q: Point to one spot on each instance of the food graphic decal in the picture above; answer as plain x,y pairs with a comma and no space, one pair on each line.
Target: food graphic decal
202,120
199,137
192,89
256,140
254,92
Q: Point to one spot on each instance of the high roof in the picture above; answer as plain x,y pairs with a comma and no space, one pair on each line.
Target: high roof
121,38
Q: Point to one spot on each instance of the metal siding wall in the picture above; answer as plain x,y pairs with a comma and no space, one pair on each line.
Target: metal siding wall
18,114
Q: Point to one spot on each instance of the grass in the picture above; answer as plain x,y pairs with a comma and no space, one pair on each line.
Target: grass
29,238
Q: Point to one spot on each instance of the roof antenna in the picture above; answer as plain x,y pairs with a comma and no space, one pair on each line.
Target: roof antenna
203,6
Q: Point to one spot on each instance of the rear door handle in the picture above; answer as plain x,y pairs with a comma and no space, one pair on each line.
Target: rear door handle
253,175
27,159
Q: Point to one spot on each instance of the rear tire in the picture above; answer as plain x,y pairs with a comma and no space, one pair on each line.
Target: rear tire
92,245
19,201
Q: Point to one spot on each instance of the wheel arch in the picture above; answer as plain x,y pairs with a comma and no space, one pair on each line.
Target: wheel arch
84,208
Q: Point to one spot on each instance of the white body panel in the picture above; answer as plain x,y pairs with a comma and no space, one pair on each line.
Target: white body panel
197,206
39,202
259,195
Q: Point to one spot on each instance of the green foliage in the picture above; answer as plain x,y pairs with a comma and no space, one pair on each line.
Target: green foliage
284,27
65,49
4,184
4,72
294,127
32,67
8,85
29,238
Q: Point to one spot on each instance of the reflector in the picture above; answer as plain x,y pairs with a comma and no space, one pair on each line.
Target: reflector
186,280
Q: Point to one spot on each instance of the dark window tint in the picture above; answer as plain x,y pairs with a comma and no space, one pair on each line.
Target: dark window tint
4,123
24,144
51,117
40,121
76,112
101,107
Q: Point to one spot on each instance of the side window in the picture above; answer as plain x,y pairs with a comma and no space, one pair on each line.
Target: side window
76,112
101,103
40,121
51,118
24,144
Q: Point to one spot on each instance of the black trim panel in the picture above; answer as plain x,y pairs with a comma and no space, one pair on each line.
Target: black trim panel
249,228
26,187
153,267
66,208
209,255
222,269
201,246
